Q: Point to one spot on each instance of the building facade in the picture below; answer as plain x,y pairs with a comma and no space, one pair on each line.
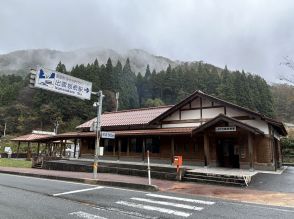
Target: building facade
205,130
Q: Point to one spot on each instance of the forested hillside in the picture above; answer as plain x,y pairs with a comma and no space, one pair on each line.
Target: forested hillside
24,109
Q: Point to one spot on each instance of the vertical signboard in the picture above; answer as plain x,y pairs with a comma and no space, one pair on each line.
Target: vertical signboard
63,83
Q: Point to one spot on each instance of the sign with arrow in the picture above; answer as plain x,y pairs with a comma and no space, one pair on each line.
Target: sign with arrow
62,83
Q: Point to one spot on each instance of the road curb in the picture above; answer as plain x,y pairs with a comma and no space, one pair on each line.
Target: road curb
146,187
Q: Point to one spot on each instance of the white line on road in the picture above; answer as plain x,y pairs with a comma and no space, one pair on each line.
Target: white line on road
254,205
181,199
177,205
86,215
153,208
77,191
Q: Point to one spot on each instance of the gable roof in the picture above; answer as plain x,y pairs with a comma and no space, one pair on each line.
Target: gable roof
127,117
222,117
280,127
30,137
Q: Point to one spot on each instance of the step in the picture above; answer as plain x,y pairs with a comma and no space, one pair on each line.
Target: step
214,174
188,179
214,177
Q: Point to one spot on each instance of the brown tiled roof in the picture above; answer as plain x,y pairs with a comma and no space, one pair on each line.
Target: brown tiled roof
30,137
127,117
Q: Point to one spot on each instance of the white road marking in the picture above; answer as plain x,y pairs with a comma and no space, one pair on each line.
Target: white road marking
130,213
77,191
181,199
177,205
153,208
254,205
86,215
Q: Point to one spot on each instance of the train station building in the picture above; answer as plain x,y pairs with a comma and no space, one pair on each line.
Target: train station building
203,129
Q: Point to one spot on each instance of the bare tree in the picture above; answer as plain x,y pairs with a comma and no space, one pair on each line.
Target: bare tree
288,62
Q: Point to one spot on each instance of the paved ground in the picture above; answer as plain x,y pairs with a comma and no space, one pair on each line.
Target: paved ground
271,182
280,187
27,197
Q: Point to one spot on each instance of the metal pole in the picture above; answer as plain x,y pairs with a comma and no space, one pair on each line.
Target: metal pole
148,164
98,129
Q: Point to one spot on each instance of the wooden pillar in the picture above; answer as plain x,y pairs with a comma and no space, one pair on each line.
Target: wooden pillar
29,155
18,149
119,149
113,148
172,149
50,149
250,150
75,148
128,146
38,149
201,110
206,150
143,148
60,148
64,147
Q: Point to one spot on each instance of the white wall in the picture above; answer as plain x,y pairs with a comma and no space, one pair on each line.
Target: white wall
190,114
261,125
174,116
180,125
234,112
211,113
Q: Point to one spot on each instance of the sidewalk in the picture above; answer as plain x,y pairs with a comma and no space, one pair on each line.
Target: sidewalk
223,192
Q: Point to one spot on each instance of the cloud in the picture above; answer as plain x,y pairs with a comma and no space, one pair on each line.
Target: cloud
250,35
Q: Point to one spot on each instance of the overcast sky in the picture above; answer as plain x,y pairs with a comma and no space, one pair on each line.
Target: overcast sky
251,35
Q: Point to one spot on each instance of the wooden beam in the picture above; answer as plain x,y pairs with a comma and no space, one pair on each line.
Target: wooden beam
204,107
201,110
18,149
75,148
143,149
119,149
172,149
128,146
250,149
206,150
38,149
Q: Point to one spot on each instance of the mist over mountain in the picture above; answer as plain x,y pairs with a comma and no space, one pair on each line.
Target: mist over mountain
19,62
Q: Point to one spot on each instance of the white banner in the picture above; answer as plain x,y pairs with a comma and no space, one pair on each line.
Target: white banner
110,135
62,83
225,129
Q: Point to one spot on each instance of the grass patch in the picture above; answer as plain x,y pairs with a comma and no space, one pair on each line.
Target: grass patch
5,162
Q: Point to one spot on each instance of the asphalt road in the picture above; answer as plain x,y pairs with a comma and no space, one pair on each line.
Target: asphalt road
28,197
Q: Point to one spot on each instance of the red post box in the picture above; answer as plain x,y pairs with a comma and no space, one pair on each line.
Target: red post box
178,160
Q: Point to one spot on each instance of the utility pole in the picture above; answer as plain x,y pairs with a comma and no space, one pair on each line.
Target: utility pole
56,124
98,131
4,132
116,97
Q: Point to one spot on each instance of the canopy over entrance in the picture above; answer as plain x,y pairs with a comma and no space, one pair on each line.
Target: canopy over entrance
228,120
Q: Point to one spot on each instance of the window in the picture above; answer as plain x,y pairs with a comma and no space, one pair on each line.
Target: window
124,145
153,144
91,144
108,145
133,145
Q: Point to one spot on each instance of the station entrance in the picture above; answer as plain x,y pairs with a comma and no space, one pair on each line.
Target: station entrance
227,152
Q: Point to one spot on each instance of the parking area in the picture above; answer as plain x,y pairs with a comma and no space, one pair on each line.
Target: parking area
274,182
